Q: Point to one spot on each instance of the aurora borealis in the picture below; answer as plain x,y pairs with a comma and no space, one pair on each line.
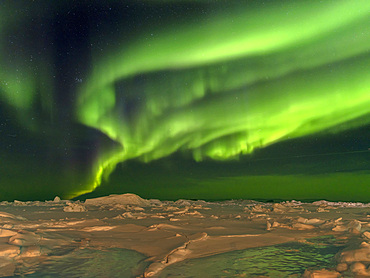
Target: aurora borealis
185,99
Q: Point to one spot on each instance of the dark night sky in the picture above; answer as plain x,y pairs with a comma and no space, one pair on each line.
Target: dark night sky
185,99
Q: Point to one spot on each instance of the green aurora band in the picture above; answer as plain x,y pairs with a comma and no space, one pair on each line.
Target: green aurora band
222,86
218,86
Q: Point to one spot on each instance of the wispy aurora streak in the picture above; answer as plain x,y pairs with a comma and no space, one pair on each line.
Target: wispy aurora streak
226,84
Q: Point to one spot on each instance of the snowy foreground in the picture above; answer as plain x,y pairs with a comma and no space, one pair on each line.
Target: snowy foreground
34,235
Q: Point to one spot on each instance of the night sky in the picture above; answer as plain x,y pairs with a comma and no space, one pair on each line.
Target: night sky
264,100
